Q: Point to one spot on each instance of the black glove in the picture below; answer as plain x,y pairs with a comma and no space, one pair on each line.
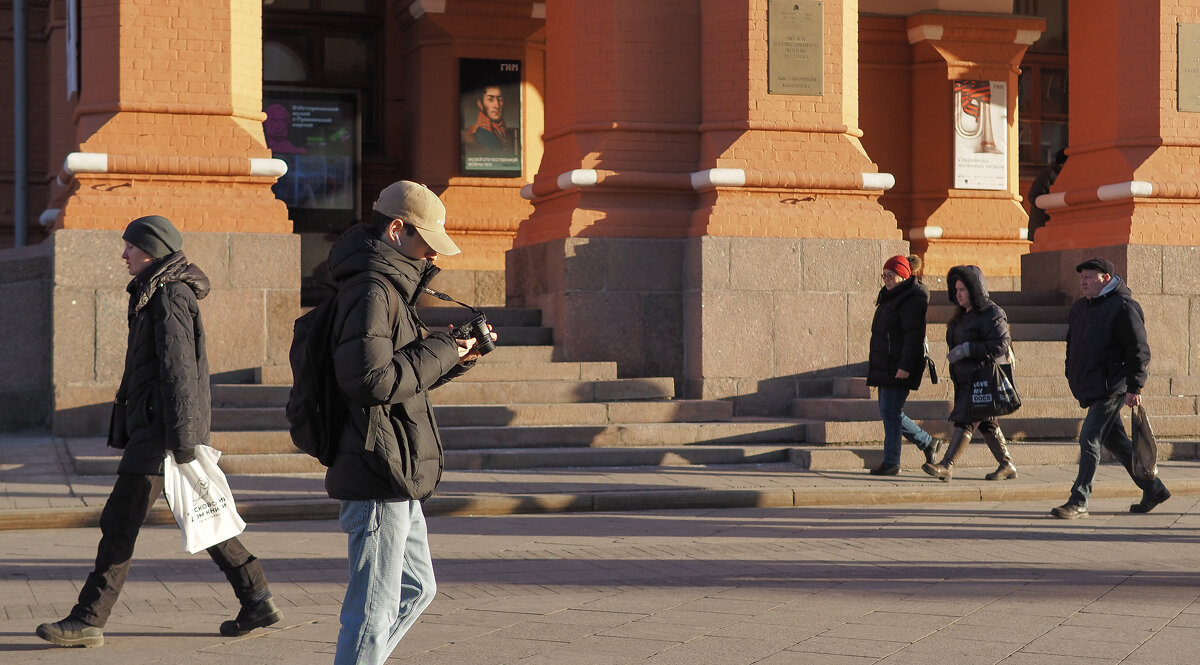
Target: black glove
184,456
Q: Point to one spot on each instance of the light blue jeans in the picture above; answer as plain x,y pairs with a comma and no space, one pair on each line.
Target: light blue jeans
391,578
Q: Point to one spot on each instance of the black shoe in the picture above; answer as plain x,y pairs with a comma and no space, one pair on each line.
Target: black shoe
1148,502
886,470
931,450
258,615
1069,511
71,632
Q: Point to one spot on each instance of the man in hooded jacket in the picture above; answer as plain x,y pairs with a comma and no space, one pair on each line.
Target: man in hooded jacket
1107,361
390,453
163,405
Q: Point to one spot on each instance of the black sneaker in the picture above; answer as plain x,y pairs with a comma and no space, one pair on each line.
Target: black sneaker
71,632
258,615
1069,511
1148,502
932,450
886,470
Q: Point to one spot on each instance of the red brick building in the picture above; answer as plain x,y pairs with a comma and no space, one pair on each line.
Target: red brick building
703,189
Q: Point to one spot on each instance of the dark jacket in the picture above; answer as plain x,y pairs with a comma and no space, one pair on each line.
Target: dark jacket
385,365
1107,351
164,388
898,335
984,328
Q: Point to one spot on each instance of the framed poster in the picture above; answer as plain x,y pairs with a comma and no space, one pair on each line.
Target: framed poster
490,117
980,133
316,132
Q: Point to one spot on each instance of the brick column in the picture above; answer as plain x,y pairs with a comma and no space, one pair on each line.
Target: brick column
689,223
169,122
949,223
1128,191
169,118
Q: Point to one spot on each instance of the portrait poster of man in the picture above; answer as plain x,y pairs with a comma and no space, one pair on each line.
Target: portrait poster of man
490,112
316,134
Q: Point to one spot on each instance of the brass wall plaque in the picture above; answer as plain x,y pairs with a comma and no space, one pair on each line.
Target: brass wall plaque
795,47
1189,67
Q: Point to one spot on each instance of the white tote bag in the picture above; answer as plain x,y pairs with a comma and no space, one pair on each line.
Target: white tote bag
199,497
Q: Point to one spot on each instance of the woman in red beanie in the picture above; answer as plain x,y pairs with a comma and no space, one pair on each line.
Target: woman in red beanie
897,359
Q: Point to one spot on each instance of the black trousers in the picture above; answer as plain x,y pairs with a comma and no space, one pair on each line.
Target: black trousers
126,510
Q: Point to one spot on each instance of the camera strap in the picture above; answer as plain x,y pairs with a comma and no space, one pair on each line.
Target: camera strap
442,296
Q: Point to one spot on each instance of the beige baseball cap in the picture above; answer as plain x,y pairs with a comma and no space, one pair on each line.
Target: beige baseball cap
415,204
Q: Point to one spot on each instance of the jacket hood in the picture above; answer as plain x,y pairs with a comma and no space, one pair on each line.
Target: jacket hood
173,267
976,285
359,250
911,285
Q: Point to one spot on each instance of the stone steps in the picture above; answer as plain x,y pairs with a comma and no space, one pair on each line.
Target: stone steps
508,415
1015,427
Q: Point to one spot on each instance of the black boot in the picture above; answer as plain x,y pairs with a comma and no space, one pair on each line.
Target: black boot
957,446
995,443
255,615
71,632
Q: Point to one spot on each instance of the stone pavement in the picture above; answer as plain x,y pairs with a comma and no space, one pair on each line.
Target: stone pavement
38,490
901,584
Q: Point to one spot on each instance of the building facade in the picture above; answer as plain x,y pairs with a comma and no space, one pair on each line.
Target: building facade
697,189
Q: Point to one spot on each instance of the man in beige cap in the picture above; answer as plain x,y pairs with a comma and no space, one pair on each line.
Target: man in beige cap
389,457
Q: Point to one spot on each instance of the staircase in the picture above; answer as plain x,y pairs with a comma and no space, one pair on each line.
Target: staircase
1046,428
520,408
517,409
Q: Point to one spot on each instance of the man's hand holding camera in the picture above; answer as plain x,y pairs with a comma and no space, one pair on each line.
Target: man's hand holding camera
468,347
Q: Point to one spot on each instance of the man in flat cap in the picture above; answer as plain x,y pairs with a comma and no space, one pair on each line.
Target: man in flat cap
389,456
1107,360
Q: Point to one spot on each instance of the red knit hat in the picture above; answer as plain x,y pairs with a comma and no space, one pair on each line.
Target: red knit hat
899,265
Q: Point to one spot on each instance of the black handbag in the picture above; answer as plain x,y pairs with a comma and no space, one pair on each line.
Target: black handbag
117,434
993,392
1145,448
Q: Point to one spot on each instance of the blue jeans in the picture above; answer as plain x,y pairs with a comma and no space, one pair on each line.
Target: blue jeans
1102,426
391,578
895,423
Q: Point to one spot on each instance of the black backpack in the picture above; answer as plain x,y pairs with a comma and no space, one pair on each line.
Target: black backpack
315,410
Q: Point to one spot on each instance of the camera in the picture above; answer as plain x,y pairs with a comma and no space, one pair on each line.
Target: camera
478,329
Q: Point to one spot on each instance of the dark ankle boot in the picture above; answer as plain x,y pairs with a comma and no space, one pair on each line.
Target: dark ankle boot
996,444
957,446
256,615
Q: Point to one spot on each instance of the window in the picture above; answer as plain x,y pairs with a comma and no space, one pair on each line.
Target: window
1042,102
328,44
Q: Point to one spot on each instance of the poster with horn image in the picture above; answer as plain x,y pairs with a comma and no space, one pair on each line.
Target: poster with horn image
980,134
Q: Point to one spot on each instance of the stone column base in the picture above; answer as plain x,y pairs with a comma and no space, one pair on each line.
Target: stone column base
1163,279
759,321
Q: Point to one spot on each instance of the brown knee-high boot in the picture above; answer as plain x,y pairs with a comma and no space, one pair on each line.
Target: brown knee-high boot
957,446
995,443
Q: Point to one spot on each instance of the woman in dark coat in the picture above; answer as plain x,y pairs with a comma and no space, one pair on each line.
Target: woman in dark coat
163,406
978,331
897,359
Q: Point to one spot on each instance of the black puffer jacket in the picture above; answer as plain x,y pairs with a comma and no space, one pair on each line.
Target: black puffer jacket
390,447
984,328
1107,351
165,385
898,335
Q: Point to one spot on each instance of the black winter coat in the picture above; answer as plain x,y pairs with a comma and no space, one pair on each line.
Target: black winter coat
385,366
898,335
984,328
1107,351
165,386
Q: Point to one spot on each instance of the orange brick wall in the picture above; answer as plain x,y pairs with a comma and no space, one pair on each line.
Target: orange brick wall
172,94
